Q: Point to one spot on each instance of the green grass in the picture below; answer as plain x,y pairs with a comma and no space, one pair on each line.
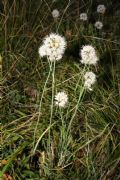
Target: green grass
39,140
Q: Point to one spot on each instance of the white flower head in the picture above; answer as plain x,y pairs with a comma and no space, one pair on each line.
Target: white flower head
61,99
53,47
88,55
99,25
101,8
55,13
83,16
90,79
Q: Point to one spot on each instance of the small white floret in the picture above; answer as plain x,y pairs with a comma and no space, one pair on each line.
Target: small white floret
99,25
88,55
90,79
101,8
55,13
42,51
61,99
83,16
53,47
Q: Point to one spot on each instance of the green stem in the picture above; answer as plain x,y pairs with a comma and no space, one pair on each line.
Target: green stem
52,103
40,105
76,108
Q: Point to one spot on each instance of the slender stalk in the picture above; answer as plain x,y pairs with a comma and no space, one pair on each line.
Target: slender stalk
52,106
53,89
82,90
40,105
80,77
76,108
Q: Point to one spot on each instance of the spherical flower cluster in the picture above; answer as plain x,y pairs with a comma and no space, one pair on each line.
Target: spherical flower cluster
101,8
88,55
53,47
99,25
61,99
55,13
90,79
83,17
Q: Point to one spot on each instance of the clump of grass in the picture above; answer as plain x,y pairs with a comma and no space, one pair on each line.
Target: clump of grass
40,141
